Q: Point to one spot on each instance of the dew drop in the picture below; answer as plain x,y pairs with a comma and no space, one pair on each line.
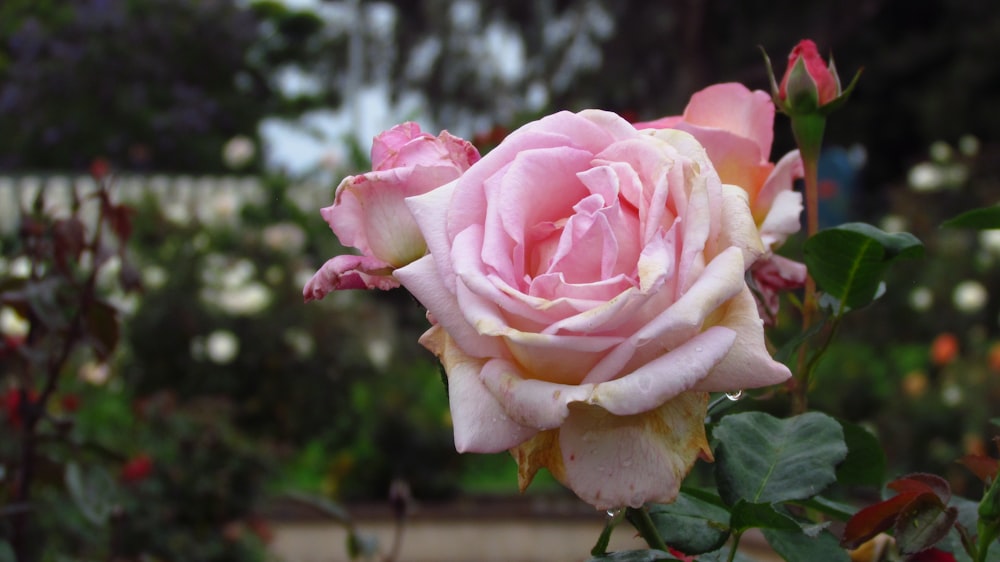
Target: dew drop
613,513
734,396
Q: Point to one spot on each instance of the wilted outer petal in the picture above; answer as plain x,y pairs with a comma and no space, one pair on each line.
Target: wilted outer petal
615,461
349,272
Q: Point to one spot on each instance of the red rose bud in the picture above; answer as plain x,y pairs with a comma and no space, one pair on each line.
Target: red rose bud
809,86
808,80
137,468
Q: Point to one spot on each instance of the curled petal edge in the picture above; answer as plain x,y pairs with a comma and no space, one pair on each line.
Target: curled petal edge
349,272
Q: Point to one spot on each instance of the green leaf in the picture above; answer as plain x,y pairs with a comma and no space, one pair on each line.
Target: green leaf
93,490
865,461
924,523
796,545
980,219
748,515
633,556
899,245
834,509
763,459
849,261
691,525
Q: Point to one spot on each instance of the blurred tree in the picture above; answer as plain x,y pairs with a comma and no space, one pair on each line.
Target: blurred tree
148,84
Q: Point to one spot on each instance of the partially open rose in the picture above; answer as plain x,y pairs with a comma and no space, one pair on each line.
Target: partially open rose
736,127
369,214
586,281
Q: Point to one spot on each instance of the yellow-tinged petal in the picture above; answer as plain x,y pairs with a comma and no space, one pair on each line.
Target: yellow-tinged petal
541,450
615,461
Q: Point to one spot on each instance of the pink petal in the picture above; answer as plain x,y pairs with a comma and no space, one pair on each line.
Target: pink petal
741,231
665,377
349,272
614,461
430,211
722,279
734,108
534,403
748,363
481,425
668,122
422,279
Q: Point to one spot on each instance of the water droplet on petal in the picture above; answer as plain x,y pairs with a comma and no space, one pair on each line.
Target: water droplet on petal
734,396
698,349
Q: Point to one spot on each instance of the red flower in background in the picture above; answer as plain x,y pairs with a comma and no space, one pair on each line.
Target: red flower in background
70,403
137,468
10,404
944,349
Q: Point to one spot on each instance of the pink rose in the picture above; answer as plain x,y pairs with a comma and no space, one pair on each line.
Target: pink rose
587,284
369,212
736,127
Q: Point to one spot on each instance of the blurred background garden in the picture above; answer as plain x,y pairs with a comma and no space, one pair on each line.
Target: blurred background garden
204,393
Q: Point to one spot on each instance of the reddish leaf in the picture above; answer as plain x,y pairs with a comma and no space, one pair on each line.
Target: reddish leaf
923,524
917,493
985,468
922,483
68,241
874,519
120,219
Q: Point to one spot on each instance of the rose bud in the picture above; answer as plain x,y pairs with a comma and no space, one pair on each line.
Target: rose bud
809,84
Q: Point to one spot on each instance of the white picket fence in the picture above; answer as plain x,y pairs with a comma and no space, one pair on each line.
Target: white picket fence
209,200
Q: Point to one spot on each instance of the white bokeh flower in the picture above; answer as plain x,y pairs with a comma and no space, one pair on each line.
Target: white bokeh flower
13,324
221,347
238,152
925,177
921,299
969,296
